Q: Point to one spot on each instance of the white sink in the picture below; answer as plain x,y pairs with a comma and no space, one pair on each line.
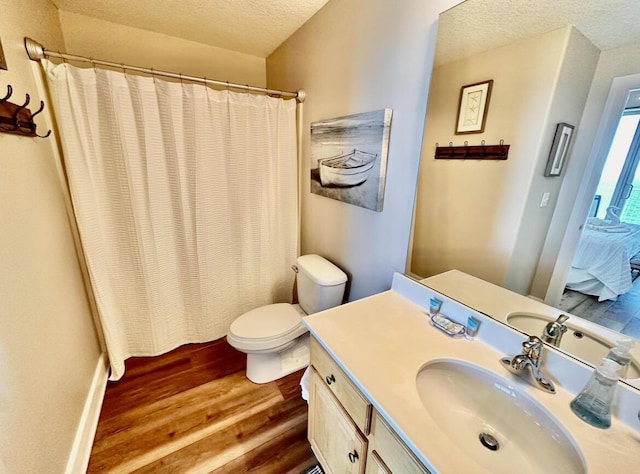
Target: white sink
476,408
577,341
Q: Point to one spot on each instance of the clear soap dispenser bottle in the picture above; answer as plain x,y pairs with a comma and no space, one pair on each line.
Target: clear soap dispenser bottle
621,354
593,404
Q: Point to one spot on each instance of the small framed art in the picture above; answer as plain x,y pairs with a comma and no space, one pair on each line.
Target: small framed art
472,107
559,149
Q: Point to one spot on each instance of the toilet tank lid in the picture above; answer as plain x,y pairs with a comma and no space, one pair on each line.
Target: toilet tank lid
321,270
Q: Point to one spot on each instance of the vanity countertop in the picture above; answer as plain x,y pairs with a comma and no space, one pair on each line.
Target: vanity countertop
499,302
383,341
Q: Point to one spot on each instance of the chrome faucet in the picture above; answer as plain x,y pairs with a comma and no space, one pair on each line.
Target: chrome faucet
529,363
554,330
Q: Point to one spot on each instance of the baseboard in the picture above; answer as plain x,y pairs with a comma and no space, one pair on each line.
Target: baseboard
81,450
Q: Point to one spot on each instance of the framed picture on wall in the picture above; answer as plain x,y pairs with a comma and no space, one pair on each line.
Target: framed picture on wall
472,107
349,158
559,149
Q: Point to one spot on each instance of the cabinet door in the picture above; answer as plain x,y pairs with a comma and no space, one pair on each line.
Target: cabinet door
395,455
334,437
375,465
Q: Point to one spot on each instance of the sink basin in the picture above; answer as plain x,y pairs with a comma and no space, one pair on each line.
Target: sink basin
492,422
579,342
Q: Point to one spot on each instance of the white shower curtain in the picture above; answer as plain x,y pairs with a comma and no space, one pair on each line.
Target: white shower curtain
185,199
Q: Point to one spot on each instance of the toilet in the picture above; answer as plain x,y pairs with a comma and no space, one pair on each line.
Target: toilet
273,336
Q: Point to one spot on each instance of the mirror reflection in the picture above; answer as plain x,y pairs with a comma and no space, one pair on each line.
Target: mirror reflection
571,240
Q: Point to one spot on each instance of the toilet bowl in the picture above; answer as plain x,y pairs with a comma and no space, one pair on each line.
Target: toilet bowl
273,336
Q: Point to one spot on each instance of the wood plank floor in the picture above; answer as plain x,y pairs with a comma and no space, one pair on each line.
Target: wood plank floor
193,410
622,315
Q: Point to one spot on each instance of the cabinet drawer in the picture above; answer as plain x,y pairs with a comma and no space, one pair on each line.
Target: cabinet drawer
335,439
395,455
356,405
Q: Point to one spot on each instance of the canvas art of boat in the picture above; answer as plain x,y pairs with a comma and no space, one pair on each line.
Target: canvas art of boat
346,169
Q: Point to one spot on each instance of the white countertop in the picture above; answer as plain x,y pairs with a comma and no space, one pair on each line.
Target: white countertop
382,342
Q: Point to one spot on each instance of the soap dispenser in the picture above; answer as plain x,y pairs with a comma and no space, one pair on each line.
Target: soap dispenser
621,354
593,404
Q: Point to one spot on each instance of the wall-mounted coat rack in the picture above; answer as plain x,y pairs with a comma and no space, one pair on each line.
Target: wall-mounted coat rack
474,152
18,119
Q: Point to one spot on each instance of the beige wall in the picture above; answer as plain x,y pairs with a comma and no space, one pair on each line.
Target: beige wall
571,90
48,347
86,36
358,56
468,212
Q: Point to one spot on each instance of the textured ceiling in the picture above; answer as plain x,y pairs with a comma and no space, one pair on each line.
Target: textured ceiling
255,27
479,25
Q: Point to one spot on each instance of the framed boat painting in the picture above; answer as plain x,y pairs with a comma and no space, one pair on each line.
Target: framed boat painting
349,158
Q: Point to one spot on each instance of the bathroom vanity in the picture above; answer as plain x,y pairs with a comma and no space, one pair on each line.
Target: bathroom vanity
391,393
341,416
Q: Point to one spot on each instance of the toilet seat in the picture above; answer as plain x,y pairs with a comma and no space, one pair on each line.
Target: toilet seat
267,328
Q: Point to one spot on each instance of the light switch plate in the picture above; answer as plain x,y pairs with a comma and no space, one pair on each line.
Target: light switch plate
545,199
3,61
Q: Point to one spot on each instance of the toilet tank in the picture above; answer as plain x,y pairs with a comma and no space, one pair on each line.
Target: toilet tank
320,283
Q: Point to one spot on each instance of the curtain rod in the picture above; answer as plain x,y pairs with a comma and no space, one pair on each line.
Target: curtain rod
36,52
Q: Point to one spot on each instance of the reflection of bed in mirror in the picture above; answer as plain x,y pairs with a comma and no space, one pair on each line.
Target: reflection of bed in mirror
601,263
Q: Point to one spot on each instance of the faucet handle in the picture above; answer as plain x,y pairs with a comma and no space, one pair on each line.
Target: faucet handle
533,348
554,330
533,342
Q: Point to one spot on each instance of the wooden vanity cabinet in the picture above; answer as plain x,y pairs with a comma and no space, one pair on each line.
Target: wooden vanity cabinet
354,403
346,434
335,439
392,453
375,465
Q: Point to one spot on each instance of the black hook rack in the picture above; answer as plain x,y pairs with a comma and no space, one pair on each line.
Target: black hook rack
18,119
473,152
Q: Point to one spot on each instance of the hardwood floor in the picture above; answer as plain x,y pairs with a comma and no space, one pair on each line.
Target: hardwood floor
193,410
622,315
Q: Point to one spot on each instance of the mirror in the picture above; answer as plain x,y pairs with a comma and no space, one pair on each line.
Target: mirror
551,62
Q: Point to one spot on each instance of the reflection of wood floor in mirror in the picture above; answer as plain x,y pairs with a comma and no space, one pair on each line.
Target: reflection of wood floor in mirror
622,315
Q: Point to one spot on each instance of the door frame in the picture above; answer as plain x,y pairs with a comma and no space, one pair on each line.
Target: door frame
628,171
607,126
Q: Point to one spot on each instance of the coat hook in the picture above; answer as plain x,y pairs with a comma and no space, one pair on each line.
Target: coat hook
16,122
39,110
9,92
26,102
34,125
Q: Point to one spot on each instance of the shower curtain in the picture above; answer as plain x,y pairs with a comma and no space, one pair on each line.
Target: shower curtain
185,199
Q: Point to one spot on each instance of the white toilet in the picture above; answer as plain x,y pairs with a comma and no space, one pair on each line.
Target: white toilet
273,336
